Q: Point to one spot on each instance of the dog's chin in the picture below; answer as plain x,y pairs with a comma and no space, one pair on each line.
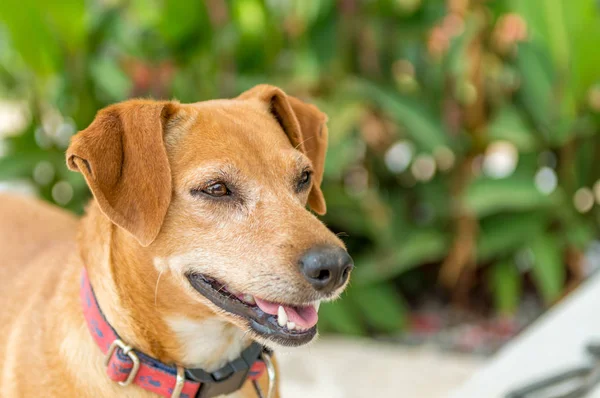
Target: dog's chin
261,317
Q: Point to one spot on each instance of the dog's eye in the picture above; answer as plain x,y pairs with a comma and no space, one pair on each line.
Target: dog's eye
217,190
305,177
304,180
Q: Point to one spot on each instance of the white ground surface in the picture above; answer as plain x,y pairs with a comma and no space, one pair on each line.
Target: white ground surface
353,368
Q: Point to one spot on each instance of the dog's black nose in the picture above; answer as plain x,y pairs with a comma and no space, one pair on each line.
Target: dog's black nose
326,267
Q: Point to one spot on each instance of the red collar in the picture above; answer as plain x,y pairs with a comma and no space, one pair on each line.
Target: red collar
126,365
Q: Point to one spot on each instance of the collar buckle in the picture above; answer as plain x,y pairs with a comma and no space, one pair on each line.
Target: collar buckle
271,373
127,350
227,379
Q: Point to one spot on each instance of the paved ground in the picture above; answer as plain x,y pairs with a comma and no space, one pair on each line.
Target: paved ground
347,368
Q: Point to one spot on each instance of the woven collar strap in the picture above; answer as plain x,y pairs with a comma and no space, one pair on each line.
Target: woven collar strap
126,365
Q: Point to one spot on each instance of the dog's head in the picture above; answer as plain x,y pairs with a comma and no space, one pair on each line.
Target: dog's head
216,193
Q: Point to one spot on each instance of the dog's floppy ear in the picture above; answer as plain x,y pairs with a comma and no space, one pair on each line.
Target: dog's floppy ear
306,128
124,161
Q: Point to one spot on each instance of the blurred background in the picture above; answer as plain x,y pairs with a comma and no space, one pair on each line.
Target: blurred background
464,135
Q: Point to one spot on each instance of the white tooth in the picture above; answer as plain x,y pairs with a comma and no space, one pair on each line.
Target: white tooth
248,298
282,317
291,325
317,305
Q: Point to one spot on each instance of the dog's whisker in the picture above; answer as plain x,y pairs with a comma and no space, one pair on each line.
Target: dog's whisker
156,287
302,142
246,332
220,290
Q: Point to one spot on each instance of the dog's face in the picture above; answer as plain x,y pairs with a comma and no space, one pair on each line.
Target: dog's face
217,193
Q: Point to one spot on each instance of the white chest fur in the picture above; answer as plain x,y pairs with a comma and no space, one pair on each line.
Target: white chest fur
208,344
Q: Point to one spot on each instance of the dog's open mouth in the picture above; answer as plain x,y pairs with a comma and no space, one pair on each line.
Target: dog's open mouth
284,324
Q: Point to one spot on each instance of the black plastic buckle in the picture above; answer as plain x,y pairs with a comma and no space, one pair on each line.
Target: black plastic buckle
229,378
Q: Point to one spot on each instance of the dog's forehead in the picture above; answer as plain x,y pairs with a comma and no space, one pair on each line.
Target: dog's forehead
239,132
234,122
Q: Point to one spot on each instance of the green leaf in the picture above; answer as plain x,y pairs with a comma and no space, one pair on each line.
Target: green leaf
585,160
23,142
417,247
380,305
250,17
340,156
323,35
583,26
423,127
340,317
343,117
553,25
545,23
505,233
537,75
68,19
508,125
31,35
580,234
505,282
487,196
551,107
110,78
549,271
182,18
17,166
345,212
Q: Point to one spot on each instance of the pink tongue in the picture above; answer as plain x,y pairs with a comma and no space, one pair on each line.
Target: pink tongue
305,317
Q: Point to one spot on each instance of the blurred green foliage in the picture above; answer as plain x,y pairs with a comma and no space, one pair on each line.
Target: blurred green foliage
463,133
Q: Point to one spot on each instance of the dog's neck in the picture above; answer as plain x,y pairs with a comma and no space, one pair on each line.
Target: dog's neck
134,297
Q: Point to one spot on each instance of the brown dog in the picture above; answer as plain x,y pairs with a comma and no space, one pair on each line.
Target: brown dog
198,242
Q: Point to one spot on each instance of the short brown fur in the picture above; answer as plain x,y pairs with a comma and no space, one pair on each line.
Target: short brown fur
145,229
